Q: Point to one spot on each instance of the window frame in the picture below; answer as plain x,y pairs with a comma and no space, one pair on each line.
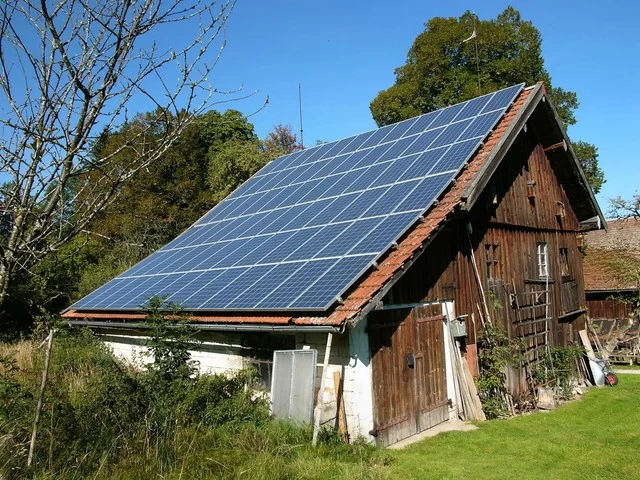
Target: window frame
542,255
491,260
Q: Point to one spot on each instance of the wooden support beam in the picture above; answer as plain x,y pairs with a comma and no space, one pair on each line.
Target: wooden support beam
340,412
556,146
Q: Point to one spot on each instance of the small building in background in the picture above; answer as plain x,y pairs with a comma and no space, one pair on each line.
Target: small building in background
612,286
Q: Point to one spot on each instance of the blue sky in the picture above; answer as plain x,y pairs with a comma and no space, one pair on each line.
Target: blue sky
344,52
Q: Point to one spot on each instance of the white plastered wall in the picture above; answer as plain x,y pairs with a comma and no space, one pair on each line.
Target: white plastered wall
216,354
350,357
225,353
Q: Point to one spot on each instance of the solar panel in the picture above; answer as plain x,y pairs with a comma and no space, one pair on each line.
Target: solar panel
303,229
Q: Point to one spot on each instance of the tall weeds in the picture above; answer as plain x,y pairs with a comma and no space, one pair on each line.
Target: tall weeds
102,419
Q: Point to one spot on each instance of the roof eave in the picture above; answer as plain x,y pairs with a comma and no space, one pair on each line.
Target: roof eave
482,178
584,183
536,97
612,290
211,327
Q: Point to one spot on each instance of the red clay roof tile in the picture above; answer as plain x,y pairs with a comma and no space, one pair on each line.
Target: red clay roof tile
611,255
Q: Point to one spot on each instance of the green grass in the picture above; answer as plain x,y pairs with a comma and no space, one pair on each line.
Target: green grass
596,438
100,429
625,366
102,421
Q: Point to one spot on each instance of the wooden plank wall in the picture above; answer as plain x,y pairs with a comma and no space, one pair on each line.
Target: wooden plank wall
524,204
603,307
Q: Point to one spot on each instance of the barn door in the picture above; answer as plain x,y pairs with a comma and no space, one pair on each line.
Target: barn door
409,378
391,341
431,377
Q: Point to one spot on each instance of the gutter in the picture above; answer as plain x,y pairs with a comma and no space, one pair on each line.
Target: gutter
613,290
216,327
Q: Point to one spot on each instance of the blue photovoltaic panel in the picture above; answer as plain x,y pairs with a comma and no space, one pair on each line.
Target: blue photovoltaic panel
303,229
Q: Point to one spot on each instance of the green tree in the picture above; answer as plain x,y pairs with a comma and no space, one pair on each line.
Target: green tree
442,69
232,164
587,153
239,154
219,128
160,201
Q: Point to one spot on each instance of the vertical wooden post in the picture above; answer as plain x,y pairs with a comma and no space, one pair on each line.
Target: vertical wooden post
483,298
340,413
43,384
318,410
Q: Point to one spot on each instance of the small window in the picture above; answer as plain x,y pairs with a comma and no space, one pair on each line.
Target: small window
543,260
564,262
491,261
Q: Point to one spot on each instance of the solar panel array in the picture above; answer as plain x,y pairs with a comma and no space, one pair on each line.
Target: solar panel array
304,228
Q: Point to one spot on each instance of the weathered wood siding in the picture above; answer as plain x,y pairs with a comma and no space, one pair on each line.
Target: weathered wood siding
523,205
410,386
601,306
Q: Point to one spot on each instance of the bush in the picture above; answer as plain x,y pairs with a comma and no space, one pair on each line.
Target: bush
496,352
558,366
102,419
100,412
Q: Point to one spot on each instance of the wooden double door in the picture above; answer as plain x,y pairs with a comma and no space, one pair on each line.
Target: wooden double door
409,374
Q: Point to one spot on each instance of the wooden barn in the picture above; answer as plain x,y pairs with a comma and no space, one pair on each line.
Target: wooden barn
611,291
500,239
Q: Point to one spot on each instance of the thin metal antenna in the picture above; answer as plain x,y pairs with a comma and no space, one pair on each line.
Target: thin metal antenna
475,40
474,37
300,105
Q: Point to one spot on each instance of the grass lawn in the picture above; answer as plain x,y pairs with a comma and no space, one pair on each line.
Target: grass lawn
595,438
625,366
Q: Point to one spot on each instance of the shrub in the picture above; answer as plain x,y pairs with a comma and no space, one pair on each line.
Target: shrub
102,419
558,366
496,352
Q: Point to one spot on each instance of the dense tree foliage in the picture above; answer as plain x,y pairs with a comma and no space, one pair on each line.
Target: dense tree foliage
587,153
232,164
234,161
160,201
442,69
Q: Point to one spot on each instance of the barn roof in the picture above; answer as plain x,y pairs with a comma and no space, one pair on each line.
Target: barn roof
366,292
607,254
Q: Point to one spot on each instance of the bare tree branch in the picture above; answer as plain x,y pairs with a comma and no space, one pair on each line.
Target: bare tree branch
626,208
70,70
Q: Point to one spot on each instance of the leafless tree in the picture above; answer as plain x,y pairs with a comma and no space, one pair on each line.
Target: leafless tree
68,71
626,208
